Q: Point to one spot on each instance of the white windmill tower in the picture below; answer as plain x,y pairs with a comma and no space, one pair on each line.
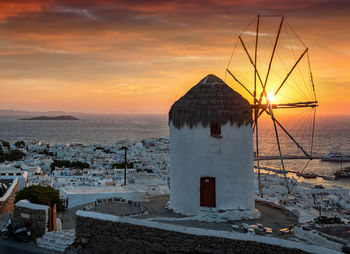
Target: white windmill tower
211,152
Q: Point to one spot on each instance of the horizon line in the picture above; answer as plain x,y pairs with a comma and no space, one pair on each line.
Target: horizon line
116,113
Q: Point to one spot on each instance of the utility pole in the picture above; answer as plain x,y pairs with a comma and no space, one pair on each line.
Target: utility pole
126,163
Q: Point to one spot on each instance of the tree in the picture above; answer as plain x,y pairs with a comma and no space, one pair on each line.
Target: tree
6,144
68,164
13,155
45,151
59,164
42,195
20,144
79,164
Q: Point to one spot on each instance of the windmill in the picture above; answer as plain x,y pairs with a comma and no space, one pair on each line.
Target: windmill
270,65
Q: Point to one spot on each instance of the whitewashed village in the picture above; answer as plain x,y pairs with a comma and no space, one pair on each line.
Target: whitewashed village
196,191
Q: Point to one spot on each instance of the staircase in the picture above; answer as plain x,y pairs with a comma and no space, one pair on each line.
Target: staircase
58,240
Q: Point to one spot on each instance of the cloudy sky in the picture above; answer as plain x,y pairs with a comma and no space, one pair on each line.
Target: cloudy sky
133,56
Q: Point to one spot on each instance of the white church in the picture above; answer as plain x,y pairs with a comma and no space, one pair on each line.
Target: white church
211,155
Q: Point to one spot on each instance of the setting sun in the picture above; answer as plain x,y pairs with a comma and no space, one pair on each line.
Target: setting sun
271,97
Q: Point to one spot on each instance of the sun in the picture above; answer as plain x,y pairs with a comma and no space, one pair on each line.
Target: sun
271,97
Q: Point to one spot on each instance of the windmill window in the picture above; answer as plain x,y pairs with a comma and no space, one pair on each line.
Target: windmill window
215,130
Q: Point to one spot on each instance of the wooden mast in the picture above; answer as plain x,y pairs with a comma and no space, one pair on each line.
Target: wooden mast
256,109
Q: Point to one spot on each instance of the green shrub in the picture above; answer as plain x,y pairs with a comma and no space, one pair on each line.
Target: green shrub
79,164
59,164
6,144
42,195
20,144
13,155
68,164
46,152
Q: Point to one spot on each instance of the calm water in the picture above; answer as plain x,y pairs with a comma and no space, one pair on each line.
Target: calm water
331,134
88,130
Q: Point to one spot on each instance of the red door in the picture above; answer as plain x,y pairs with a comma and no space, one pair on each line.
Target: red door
208,191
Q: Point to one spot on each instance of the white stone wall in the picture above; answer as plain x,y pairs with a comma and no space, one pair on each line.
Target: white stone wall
84,197
195,154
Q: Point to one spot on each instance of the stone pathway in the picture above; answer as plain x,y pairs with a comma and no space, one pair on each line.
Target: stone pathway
58,240
68,217
118,209
273,217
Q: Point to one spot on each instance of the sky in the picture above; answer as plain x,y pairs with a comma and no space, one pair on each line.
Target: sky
133,56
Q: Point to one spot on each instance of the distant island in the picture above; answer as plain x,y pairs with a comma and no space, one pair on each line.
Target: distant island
49,118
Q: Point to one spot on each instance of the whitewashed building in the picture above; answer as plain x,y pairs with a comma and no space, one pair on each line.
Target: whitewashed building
211,155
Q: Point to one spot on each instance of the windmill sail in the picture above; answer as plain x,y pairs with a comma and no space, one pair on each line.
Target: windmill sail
270,66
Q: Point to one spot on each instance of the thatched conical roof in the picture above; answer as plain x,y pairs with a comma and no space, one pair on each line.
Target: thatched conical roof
210,101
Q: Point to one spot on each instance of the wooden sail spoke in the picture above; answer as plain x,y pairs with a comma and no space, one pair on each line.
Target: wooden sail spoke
289,135
255,58
259,113
229,72
263,107
306,104
251,61
271,59
290,72
279,147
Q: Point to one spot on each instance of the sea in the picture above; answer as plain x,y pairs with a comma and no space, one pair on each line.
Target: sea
331,133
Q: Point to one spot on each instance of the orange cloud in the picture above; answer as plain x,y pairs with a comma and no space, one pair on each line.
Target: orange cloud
19,7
